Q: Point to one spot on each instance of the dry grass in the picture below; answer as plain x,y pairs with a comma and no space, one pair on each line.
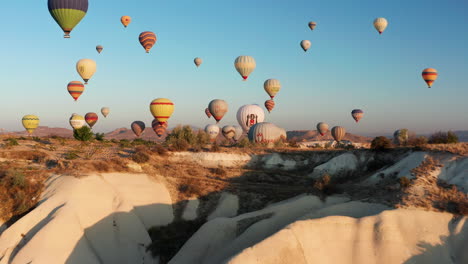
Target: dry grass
457,148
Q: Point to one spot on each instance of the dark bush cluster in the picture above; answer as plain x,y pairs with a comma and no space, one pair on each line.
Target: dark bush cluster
183,137
443,138
83,134
381,143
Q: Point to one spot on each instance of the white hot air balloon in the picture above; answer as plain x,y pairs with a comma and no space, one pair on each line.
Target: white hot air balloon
380,24
305,45
265,132
245,65
198,61
249,115
239,132
86,69
272,87
212,131
228,132
105,111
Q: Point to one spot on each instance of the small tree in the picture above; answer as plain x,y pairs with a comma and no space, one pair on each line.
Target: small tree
451,137
381,143
99,136
83,134
443,138
417,141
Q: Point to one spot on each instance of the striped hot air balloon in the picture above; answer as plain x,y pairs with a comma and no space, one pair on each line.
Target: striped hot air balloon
91,119
218,108
99,48
380,24
162,109
338,133
245,65
86,69
429,75
322,128
67,13
77,121
357,114
147,40
269,105
312,25
208,113
125,20
138,128
158,128
30,123
272,87
75,89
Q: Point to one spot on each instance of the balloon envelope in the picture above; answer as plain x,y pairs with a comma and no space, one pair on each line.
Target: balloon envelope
245,65
269,105
338,133
99,48
138,128
322,128
197,61
357,114
212,131
105,111
305,45
265,132
147,40
312,25
239,132
86,69
218,108
77,121
400,136
67,13
158,128
125,20
249,115
30,123
162,109
228,132
380,24
207,112
429,75
272,87
91,119
75,89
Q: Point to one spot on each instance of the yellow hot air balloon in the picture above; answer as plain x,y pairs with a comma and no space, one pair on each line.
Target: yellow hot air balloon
77,121
429,75
272,87
162,109
245,65
30,123
86,68
125,20
380,24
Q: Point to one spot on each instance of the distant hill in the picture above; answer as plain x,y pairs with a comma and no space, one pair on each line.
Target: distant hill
44,131
313,135
125,133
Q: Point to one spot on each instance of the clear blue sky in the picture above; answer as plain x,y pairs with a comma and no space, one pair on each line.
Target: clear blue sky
348,66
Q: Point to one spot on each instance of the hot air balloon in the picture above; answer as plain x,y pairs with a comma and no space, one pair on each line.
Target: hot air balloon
269,105
67,13
272,87
147,40
305,45
429,75
218,108
322,128
265,132
158,128
239,131
245,65
228,132
105,111
162,109
86,68
77,121
99,48
338,133
75,88
212,131
312,25
30,123
197,61
125,20
91,119
400,136
380,24
249,115
357,114
138,127
207,112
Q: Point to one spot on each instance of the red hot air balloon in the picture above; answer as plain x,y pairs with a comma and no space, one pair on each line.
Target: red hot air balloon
75,88
147,40
208,113
91,119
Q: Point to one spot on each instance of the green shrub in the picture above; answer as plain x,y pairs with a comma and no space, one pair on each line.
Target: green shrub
443,138
37,139
244,143
16,178
159,149
140,157
83,134
71,155
125,143
99,136
452,138
11,142
381,143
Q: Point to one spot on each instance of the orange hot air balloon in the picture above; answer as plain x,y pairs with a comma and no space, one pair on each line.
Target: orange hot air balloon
125,20
158,128
269,105
138,127
208,113
429,75
75,88
91,119
147,40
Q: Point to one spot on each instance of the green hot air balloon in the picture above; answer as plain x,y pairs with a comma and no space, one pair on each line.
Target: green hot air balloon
67,13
